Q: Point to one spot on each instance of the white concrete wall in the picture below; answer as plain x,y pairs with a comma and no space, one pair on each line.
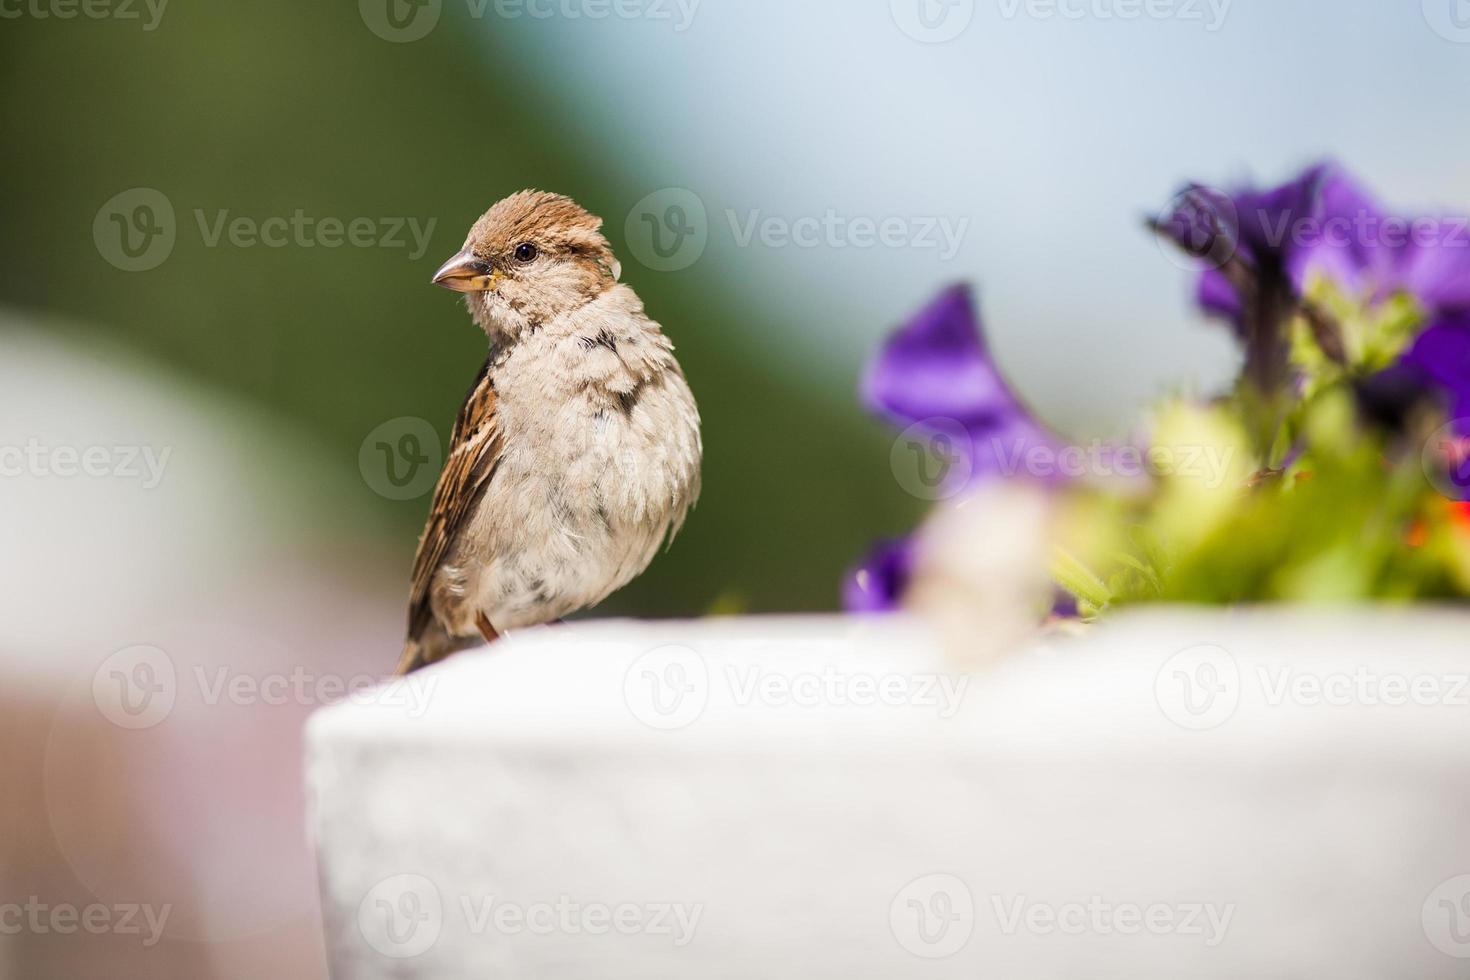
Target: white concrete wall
1170,796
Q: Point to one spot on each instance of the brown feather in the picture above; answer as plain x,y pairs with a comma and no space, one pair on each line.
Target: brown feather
474,452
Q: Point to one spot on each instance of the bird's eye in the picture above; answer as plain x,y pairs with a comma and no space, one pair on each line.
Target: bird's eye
526,251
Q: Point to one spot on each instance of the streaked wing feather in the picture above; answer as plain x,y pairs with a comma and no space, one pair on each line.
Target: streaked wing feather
474,452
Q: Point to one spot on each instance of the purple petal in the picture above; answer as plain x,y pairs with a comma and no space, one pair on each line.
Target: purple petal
1442,354
1351,239
1217,295
1018,448
1267,228
1436,267
1272,221
1326,222
936,367
879,582
1203,222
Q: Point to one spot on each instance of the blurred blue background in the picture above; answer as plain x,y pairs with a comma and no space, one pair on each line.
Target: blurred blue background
1050,136
1009,143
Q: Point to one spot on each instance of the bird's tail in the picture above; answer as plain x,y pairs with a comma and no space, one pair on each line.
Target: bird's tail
434,644
412,658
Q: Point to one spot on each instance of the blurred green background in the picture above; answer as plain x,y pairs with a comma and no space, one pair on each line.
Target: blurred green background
267,108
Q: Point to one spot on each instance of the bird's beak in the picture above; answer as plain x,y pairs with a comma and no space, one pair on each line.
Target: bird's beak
467,273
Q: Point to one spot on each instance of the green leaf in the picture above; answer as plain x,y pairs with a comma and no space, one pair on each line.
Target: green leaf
1071,574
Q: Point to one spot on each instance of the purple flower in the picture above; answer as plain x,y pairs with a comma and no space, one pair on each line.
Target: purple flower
1276,224
878,583
1256,244
1324,222
936,373
936,367
1436,266
1351,240
1354,242
1218,295
1440,358
1204,223
1259,228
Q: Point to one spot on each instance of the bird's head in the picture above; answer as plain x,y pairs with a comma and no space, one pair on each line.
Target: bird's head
530,258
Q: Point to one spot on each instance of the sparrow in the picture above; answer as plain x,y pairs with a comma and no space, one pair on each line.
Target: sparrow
576,453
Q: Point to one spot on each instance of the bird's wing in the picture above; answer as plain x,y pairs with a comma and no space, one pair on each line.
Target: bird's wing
474,452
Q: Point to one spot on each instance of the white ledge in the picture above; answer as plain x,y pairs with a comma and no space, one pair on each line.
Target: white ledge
1180,793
